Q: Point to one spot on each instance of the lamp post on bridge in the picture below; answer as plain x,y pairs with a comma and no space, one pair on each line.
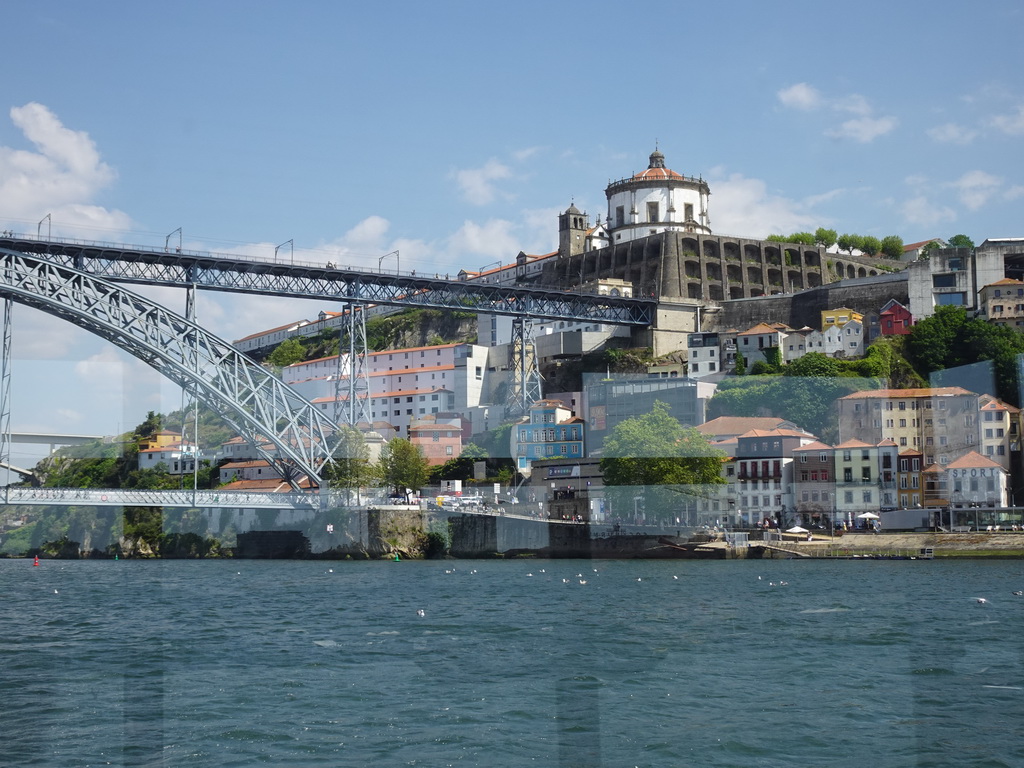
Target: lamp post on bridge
398,261
167,241
49,227
282,245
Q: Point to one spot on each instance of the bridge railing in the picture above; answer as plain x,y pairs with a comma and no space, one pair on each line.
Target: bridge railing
188,498
106,244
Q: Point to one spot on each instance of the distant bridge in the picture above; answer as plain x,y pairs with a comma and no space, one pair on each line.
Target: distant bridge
183,499
224,272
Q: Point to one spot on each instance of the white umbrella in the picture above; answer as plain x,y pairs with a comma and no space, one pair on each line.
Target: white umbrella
796,529
867,516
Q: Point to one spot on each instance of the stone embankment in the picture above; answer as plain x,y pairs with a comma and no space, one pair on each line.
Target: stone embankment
977,544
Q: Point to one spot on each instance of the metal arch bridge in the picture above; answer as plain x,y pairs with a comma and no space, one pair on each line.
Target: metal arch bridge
69,279
224,272
258,405
182,499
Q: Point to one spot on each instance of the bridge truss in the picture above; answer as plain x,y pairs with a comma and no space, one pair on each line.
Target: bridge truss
255,403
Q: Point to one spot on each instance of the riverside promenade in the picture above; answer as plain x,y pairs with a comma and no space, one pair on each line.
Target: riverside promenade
943,545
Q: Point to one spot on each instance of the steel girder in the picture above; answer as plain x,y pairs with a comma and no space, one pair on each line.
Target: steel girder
258,405
236,274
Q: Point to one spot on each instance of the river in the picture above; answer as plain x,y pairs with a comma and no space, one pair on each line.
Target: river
511,663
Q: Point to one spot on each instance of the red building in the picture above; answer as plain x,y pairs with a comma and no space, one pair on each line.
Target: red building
895,319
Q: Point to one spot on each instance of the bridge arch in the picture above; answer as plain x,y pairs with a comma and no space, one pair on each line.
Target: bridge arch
258,405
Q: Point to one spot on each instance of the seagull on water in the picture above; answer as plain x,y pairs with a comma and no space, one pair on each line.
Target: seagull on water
981,600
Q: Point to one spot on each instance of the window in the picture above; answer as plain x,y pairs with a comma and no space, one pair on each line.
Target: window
652,212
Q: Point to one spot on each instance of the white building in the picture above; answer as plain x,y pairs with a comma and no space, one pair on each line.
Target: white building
407,384
656,200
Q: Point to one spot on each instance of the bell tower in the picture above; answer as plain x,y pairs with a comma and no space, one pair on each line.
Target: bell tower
572,231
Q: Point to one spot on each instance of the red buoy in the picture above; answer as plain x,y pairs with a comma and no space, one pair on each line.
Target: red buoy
37,560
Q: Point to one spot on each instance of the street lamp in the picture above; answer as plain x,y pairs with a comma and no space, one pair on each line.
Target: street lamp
398,262
167,240
49,227
282,245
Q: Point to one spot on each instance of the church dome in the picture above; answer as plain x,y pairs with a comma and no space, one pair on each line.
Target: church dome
656,169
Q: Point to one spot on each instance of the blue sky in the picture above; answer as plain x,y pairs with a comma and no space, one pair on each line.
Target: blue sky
456,131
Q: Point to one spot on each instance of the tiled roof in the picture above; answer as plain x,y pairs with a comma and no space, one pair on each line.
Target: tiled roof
871,394
973,460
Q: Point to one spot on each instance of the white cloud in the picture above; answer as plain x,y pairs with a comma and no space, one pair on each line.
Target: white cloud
863,129
477,184
921,211
1014,192
526,153
61,177
975,188
800,96
1012,124
951,133
746,208
491,241
854,103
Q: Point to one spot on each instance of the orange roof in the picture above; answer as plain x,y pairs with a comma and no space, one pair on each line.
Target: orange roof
775,433
760,328
869,394
915,246
737,425
973,460
817,445
854,444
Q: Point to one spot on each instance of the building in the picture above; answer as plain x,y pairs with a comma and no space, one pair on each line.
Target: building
764,474
757,343
909,481
839,317
439,442
167,451
894,319
549,430
975,481
814,483
1002,303
609,400
406,384
941,422
839,341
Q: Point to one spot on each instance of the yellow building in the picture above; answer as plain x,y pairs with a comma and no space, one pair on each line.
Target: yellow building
837,318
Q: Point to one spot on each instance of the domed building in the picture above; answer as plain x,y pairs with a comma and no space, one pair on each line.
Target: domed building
657,200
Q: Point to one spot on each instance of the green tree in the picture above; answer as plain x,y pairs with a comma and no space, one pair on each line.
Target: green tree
950,339
741,364
656,460
850,243
812,364
402,465
655,449
870,245
960,241
826,238
286,353
926,252
349,468
892,246
460,468
804,238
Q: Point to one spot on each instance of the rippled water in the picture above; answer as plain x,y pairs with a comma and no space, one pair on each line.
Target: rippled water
648,663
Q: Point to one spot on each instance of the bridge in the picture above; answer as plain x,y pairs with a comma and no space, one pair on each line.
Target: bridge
79,281
223,272
183,499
